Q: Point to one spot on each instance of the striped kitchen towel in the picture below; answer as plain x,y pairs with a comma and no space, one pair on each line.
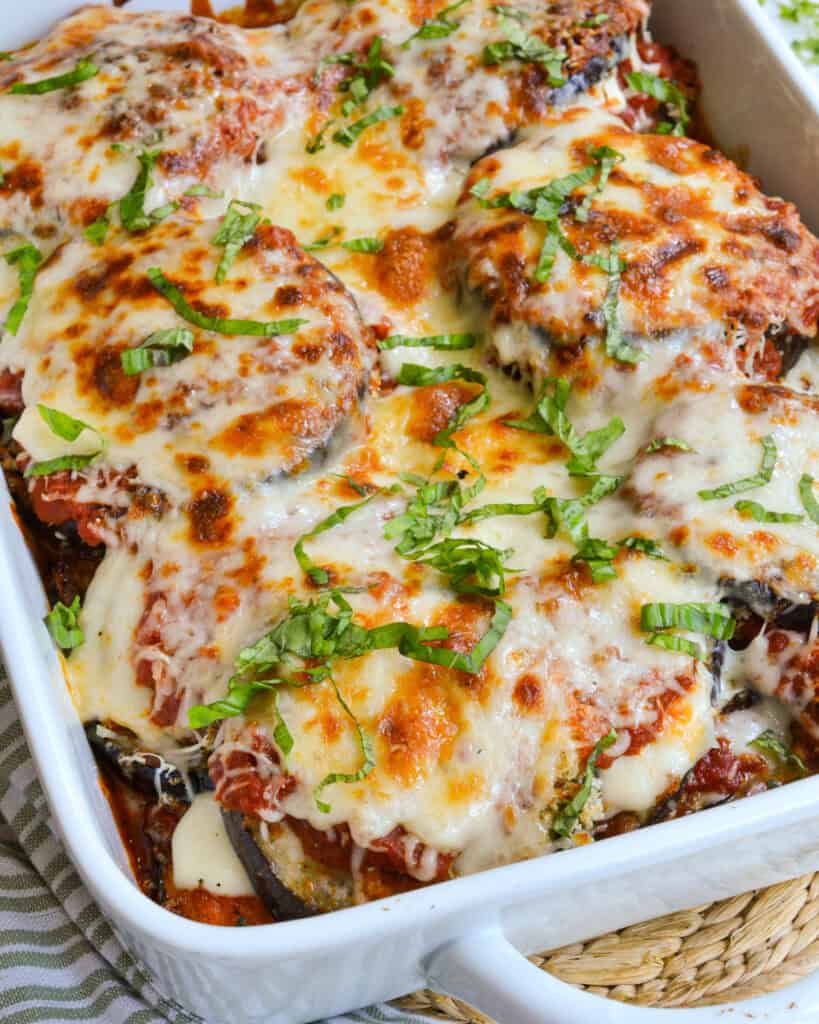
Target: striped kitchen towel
59,958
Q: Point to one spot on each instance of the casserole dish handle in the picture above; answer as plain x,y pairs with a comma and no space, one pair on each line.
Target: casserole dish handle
485,970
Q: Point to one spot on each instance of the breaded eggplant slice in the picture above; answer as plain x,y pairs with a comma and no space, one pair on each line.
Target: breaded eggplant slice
722,480
254,398
145,770
705,256
289,883
197,95
464,90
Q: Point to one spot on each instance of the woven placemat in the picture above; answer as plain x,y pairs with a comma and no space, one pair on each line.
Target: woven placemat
736,949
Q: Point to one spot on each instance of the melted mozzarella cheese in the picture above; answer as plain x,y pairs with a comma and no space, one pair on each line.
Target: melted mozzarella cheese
473,765
703,249
202,854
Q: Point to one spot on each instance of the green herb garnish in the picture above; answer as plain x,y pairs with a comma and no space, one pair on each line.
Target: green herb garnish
550,417
132,205
808,497
159,349
750,483
341,515
258,328
569,813
62,623
667,442
348,135
665,92
83,70
472,567
336,201
769,743
414,375
367,755
67,428
753,510
519,45
238,228
370,245
438,27
27,259
447,342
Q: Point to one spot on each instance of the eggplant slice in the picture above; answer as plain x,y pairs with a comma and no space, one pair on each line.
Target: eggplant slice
735,284
290,883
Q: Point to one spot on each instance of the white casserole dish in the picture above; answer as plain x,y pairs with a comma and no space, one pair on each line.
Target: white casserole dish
462,936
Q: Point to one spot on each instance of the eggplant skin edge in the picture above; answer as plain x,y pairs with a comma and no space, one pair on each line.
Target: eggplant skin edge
279,900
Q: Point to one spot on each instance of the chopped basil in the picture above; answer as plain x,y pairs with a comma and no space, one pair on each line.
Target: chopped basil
61,464
605,160
353,484
368,73
599,556
665,92
238,227
769,743
27,259
6,55
132,205
494,509
750,483
367,753
336,201
370,245
236,701
710,619
258,328
412,647
519,45
667,442
97,231
82,71
616,345
438,27
204,190
323,243
808,497
438,341
550,417
432,514
61,424
348,135
159,349
300,648
308,566
68,429
62,623
679,644
568,514
472,566
753,510
569,813
645,545
422,376
317,143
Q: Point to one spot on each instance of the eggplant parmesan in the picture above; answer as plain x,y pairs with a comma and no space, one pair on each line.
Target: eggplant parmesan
415,423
